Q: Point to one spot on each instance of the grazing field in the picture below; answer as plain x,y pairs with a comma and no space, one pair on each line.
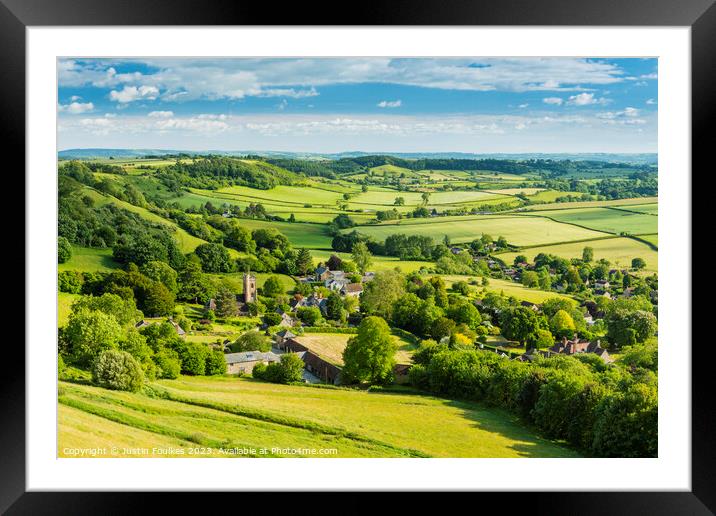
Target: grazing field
550,195
508,288
518,230
590,204
225,413
652,239
618,250
87,259
607,219
415,198
515,191
651,209
331,345
379,263
313,236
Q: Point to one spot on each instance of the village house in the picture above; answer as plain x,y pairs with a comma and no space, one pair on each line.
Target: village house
244,362
352,289
280,336
368,276
322,273
577,345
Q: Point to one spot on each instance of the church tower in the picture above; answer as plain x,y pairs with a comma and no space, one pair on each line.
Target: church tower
249,288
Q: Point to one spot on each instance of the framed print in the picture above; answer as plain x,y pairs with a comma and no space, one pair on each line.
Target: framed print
419,252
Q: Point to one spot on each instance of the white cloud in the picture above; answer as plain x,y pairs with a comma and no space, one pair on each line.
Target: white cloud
182,79
161,114
628,116
522,106
651,102
649,76
75,98
75,108
553,100
132,93
389,103
282,105
586,99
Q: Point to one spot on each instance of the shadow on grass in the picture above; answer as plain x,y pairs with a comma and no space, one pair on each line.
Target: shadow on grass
526,440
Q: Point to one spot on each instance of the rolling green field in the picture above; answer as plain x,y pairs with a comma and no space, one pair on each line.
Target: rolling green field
312,236
331,345
226,413
607,219
508,288
87,259
380,263
619,251
590,204
518,230
653,239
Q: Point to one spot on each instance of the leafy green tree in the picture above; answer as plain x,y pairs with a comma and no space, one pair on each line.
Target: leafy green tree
226,303
562,324
465,313
361,256
304,261
334,307
168,364
161,272
638,263
461,287
520,258
530,279
251,341
214,258
291,368
543,339
519,323
194,285
123,310
587,254
215,363
272,318
64,250
193,357
441,327
380,294
88,333
629,327
158,300
273,286
117,370
309,315
399,201
370,355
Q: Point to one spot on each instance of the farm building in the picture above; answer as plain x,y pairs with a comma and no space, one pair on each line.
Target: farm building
282,335
244,362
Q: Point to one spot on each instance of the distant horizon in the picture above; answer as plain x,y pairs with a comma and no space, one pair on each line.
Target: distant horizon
351,151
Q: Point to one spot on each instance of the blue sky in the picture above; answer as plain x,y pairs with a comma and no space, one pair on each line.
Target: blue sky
369,104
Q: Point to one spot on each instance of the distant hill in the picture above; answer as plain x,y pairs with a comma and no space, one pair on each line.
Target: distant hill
643,159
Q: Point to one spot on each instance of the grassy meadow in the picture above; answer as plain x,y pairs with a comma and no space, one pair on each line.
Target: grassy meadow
330,346
226,413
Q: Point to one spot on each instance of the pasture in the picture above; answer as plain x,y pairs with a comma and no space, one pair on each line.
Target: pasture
300,234
590,204
506,287
225,413
518,230
380,263
611,220
619,251
89,259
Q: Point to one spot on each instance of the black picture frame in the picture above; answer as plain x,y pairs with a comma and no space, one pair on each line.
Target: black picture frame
700,15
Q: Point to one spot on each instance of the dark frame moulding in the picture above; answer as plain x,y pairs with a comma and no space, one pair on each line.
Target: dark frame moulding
16,15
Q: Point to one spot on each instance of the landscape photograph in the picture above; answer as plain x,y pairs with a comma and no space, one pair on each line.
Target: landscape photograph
359,257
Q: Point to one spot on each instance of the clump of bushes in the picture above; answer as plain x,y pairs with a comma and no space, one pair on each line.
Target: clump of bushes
117,370
288,370
604,410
